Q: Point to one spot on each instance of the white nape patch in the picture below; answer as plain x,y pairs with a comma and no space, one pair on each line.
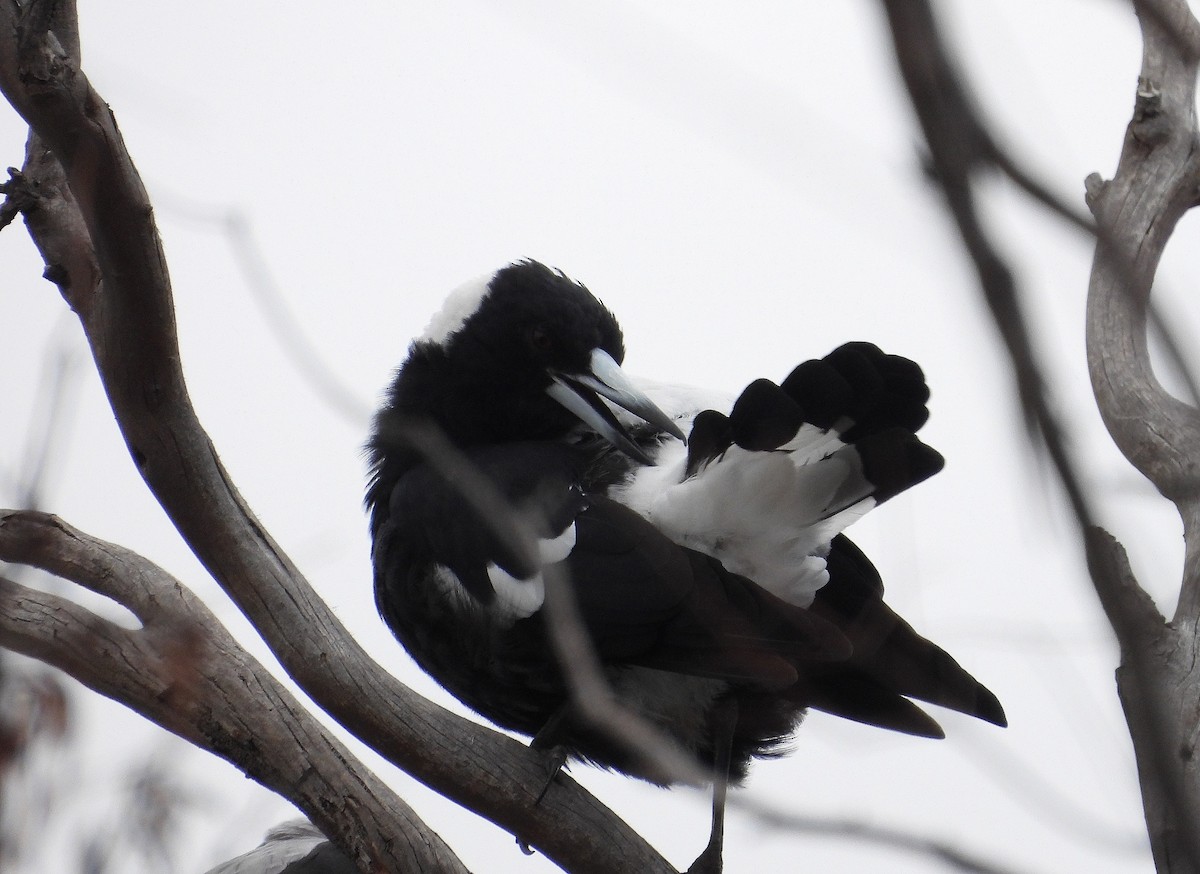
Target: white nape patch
460,305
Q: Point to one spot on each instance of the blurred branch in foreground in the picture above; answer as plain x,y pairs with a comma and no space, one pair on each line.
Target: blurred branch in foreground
237,230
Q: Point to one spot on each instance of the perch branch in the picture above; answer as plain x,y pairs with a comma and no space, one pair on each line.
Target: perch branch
127,313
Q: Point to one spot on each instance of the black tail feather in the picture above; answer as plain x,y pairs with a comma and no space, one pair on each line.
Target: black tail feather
858,697
887,651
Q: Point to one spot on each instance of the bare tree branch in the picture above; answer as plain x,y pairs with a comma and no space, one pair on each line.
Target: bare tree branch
1155,183
942,852
959,147
102,251
1157,180
182,670
126,310
238,232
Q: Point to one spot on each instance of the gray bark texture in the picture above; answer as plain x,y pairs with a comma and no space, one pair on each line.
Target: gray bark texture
1156,182
89,214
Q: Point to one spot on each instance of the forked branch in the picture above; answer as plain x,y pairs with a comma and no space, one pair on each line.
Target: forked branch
182,670
93,222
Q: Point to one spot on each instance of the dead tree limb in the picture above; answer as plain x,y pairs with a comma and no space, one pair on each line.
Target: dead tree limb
182,670
1156,182
91,218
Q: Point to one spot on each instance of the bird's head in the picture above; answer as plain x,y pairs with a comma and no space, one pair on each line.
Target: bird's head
537,352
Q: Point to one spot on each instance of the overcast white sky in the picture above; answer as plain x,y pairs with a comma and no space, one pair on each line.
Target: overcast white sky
739,183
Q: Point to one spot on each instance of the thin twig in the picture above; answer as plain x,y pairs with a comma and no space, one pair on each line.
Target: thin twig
237,230
959,145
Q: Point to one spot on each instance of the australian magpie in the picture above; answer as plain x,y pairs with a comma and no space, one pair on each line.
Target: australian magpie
703,545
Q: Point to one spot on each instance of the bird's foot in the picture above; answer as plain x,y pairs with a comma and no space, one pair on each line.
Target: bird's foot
708,862
556,760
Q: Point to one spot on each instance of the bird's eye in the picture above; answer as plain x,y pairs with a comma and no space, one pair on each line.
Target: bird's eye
539,338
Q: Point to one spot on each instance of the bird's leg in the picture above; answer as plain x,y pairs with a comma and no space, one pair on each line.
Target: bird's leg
548,740
724,719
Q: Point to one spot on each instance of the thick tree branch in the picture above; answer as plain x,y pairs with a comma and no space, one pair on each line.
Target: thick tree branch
1156,182
182,670
127,313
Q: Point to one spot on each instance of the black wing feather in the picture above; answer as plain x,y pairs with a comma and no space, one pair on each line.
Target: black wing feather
648,601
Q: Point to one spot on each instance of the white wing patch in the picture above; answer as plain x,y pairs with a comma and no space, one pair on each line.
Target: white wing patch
554,550
768,516
517,598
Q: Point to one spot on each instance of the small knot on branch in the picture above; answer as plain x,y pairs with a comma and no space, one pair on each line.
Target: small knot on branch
1093,189
1149,125
20,195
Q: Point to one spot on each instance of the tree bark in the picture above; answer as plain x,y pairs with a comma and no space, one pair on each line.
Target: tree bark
92,220
1156,182
185,672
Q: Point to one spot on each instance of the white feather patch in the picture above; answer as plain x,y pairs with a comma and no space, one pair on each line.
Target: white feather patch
554,550
516,598
768,516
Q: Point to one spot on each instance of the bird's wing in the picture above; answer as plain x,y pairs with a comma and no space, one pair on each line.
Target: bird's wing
766,488
648,601
644,599
491,517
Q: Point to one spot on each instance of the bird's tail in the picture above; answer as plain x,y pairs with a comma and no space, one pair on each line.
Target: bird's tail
891,661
